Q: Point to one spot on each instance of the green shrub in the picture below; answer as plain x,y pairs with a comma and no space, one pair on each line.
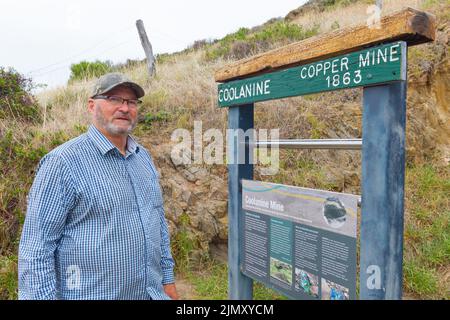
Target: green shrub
8,277
283,31
86,69
183,243
331,4
245,42
160,116
335,25
19,157
224,45
16,100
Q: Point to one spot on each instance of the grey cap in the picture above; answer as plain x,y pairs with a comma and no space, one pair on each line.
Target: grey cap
109,81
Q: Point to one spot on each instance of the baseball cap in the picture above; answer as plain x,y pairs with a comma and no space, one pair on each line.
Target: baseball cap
111,80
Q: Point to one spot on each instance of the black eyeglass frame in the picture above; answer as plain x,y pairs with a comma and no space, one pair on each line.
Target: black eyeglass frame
100,96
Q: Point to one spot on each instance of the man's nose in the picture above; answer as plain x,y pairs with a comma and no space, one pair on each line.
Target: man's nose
124,107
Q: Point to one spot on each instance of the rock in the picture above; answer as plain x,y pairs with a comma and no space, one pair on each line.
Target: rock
180,160
183,205
218,208
223,228
208,226
173,210
186,197
218,189
188,175
195,221
219,251
198,172
199,194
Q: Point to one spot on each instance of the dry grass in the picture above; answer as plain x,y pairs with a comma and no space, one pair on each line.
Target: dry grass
351,15
64,108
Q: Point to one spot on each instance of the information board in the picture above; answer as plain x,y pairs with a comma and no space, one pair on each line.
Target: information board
300,241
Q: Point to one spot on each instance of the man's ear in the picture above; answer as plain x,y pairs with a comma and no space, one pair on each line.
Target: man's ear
91,105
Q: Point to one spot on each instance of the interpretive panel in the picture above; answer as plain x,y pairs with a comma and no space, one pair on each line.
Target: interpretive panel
300,241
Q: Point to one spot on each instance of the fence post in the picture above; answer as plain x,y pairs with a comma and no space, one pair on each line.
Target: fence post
147,47
240,117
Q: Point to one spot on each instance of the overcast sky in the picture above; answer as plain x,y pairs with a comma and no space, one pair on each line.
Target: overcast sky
42,38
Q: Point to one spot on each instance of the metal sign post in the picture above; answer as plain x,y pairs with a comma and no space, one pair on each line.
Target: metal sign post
383,175
240,117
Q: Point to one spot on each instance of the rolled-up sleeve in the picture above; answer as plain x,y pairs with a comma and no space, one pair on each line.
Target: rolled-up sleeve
51,198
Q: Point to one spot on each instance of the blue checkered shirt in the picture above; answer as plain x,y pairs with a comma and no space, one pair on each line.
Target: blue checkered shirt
95,226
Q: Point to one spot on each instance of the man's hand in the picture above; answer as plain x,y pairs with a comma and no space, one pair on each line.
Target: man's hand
171,291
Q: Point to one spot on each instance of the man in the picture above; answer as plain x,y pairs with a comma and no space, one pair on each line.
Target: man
95,226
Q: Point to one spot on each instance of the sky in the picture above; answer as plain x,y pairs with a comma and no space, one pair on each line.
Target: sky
42,38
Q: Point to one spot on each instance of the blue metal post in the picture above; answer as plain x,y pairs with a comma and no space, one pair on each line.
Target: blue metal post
383,175
240,286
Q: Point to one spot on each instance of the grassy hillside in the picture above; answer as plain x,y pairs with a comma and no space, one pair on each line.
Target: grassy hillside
184,91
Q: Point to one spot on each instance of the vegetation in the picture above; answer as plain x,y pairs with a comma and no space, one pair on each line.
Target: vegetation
19,157
87,70
245,42
160,116
210,281
16,100
183,243
331,4
427,231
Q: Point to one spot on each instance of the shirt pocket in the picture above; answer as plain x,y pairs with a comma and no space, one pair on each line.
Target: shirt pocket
150,191
110,198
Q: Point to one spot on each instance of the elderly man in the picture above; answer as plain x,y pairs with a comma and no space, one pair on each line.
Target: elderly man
95,226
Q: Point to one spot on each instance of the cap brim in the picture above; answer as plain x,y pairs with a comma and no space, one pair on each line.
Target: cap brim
133,86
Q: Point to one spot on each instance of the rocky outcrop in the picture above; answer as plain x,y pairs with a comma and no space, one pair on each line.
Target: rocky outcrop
195,199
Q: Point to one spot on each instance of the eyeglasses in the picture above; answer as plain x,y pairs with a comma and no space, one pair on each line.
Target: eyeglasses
117,101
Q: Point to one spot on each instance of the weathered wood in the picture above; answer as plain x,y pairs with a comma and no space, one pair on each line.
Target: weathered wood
380,64
408,25
379,4
147,47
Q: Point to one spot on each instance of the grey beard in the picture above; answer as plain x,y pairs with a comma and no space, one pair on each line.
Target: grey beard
110,127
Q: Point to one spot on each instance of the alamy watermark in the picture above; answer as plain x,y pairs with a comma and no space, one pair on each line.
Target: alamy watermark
237,147
374,12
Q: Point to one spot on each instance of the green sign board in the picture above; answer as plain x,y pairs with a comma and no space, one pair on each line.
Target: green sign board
371,66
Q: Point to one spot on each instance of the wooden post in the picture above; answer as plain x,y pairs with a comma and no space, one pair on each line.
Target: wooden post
379,4
147,48
240,117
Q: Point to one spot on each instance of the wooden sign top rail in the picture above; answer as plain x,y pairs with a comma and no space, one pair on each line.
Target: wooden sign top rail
409,25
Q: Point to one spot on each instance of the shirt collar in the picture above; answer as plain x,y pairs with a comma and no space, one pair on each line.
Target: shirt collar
104,145
132,145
